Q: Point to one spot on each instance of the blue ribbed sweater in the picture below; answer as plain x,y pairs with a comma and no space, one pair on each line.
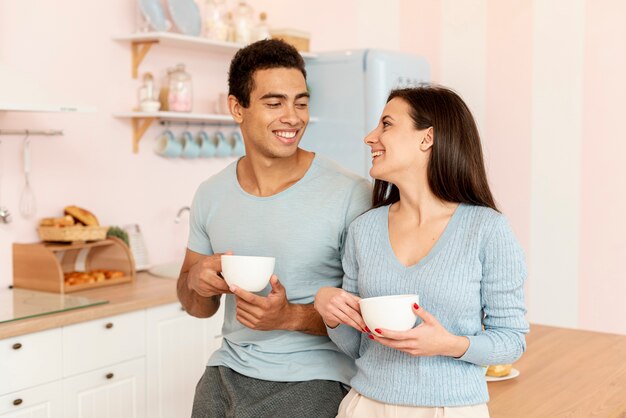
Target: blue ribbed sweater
475,270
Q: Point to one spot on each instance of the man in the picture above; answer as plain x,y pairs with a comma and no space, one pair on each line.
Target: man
276,359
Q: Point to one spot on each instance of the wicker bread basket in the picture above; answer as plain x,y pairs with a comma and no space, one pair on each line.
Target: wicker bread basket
72,233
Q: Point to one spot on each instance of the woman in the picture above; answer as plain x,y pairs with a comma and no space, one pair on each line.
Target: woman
434,231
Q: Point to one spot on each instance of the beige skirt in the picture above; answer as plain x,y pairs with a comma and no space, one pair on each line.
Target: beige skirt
355,405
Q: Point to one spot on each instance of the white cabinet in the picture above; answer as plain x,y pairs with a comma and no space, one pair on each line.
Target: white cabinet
178,348
30,360
45,401
135,365
94,344
116,391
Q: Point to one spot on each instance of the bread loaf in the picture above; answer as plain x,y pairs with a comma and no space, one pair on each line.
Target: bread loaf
82,215
64,221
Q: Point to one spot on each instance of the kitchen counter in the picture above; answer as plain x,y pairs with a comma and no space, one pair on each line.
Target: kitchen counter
565,373
147,291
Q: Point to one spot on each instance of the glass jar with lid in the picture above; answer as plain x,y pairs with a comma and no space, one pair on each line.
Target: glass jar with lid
243,18
179,97
215,20
165,89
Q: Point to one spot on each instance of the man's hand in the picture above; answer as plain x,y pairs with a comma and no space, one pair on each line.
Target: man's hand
263,313
204,277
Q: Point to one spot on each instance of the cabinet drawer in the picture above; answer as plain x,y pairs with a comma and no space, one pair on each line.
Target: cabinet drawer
102,342
30,360
40,401
116,391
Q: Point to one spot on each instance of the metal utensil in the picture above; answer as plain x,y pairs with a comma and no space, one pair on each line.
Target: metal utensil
28,204
5,216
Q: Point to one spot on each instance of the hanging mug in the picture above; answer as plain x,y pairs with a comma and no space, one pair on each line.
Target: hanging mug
222,147
236,142
168,146
190,147
207,147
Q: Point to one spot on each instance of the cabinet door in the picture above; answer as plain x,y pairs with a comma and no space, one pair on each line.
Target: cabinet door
176,358
45,401
30,360
113,392
95,344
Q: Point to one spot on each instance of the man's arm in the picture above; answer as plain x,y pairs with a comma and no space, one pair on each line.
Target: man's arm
274,312
199,285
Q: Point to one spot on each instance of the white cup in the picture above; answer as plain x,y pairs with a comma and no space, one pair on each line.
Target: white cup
247,272
389,312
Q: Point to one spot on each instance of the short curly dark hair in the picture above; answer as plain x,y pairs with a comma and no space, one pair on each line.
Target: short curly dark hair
260,55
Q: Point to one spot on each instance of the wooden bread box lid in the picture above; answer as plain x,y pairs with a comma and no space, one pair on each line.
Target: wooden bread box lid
48,266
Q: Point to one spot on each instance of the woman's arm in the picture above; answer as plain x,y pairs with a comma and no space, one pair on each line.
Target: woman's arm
502,293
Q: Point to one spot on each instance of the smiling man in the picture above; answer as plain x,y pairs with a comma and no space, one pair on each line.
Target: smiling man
276,359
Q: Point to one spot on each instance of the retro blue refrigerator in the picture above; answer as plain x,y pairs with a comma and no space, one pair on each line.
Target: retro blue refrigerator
349,90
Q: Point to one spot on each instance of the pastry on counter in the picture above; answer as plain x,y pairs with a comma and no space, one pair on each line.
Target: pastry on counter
499,370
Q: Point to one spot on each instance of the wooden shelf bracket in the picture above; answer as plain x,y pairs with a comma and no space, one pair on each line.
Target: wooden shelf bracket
139,51
140,126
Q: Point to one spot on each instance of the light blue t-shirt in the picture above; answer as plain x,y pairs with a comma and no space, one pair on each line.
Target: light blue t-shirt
304,227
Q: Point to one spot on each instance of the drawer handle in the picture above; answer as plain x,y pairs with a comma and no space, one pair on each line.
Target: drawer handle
17,346
109,325
110,375
17,402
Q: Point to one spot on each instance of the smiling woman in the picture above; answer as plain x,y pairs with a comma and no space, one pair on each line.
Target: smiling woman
434,232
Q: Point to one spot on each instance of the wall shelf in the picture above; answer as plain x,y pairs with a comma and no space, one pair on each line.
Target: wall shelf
141,121
142,42
21,107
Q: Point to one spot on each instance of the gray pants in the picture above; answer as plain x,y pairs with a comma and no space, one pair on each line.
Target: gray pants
222,392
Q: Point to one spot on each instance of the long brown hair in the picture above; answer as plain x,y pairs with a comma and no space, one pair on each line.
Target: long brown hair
456,171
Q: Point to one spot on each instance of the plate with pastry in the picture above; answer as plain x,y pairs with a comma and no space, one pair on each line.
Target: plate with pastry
499,372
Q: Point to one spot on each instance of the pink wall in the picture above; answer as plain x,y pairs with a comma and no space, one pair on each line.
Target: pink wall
603,229
508,119
66,52
75,61
420,31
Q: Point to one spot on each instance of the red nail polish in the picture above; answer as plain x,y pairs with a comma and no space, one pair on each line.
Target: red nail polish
378,331
367,329
415,306
371,337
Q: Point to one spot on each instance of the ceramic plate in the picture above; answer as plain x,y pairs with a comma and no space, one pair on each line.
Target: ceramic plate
186,16
514,373
153,13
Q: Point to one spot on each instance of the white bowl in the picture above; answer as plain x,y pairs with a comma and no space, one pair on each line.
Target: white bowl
247,272
150,106
389,312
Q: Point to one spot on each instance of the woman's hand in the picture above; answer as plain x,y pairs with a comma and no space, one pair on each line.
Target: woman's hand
336,306
429,338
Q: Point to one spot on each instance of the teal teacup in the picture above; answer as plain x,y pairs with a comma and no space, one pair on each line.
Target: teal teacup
236,142
222,147
190,146
168,146
207,147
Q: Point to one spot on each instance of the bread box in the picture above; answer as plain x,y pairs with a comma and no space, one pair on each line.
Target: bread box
66,268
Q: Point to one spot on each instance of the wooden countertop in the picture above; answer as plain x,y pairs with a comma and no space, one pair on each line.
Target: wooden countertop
147,291
565,373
